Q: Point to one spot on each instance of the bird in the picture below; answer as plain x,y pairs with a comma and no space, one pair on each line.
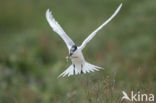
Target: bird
79,64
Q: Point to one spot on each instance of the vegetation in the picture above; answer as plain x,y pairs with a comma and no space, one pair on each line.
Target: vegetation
32,55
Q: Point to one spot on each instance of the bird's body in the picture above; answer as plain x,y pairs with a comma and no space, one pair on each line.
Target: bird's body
78,60
79,64
77,57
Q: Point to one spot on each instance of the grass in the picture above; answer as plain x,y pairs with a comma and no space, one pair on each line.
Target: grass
32,55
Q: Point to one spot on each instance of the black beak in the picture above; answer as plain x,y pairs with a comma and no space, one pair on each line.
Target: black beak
68,57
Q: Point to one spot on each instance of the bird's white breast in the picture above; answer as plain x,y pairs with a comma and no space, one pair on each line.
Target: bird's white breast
78,57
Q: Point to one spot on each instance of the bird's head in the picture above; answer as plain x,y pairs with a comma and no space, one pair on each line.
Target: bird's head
72,50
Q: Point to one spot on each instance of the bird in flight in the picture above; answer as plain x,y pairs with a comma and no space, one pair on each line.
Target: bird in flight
79,64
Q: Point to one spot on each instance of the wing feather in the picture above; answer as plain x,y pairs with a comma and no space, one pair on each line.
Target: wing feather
58,29
100,27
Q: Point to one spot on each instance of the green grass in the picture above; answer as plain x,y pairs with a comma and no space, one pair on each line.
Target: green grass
32,55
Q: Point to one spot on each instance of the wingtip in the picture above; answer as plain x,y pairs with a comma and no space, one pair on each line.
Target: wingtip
48,11
120,5
117,10
49,14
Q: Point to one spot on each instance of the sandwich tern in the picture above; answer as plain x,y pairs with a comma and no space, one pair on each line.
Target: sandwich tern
79,64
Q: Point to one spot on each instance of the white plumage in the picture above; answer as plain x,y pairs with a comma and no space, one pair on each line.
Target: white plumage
79,65
100,27
57,28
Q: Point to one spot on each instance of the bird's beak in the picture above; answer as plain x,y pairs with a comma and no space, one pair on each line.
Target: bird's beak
69,56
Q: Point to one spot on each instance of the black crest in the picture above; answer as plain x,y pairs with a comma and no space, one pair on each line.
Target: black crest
73,49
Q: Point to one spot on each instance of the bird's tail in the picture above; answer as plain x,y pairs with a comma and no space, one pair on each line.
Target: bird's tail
80,69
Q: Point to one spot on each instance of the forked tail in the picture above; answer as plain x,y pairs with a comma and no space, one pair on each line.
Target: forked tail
79,69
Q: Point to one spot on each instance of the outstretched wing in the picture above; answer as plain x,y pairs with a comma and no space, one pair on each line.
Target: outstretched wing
58,29
100,27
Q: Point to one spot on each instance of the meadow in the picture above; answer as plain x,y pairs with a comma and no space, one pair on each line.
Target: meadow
32,55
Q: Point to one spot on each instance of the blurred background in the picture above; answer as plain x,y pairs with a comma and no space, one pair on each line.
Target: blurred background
32,55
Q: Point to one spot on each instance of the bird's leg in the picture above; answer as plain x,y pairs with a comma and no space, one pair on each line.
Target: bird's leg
74,69
81,68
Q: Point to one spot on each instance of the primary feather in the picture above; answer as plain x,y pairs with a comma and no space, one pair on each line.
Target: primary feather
100,27
58,29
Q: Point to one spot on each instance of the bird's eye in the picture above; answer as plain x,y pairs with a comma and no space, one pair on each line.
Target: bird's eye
74,48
